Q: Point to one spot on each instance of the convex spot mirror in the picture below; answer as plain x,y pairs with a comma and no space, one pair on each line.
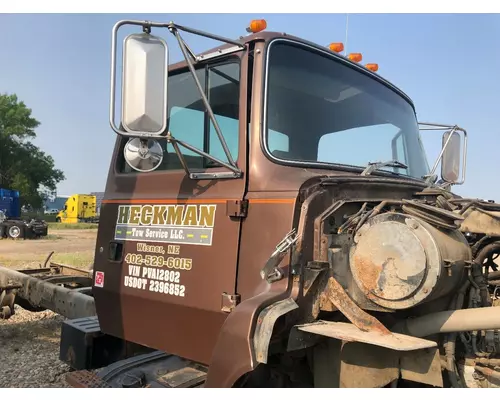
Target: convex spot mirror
143,155
144,84
452,154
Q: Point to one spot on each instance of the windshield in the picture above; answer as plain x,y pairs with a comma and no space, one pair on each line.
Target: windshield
320,110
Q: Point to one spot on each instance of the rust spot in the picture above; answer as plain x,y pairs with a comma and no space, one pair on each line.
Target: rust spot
368,273
325,304
361,319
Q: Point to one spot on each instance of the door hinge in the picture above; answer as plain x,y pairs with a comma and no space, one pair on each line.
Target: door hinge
237,208
229,301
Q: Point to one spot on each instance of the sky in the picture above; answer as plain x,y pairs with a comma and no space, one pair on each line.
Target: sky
59,65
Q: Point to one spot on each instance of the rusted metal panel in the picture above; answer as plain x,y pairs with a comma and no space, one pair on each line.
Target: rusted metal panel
361,319
350,333
265,325
422,366
399,262
389,261
354,365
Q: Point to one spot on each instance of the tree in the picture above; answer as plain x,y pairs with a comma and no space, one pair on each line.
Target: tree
23,166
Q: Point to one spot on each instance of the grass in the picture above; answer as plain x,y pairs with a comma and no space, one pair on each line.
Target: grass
77,259
60,226
80,259
52,237
70,246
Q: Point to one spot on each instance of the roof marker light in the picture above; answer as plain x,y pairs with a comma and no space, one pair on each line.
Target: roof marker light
356,57
257,25
372,67
336,47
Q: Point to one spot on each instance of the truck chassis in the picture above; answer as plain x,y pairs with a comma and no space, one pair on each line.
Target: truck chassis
61,288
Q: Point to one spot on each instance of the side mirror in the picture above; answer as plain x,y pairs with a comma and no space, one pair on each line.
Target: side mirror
144,84
450,163
452,157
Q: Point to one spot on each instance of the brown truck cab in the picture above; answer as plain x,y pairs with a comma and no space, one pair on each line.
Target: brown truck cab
270,217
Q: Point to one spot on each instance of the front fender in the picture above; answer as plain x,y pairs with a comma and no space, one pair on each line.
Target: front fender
234,353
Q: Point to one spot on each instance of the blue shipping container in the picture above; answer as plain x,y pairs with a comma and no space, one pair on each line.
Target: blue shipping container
9,203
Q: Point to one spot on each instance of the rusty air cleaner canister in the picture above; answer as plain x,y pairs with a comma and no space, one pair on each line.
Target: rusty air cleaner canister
399,261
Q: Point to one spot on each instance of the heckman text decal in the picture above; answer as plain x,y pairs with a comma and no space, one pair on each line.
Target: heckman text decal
179,223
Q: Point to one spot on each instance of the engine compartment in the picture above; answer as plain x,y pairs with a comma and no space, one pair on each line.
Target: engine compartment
410,255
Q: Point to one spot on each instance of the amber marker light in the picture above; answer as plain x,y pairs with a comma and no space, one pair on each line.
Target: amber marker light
257,25
356,57
336,47
372,67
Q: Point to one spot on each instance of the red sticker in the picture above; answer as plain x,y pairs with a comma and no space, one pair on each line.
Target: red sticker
99,279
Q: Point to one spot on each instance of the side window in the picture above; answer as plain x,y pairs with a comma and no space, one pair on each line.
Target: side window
187,125
277,142
189,122
224,93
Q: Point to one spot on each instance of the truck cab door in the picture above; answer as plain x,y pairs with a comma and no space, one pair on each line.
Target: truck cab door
167,248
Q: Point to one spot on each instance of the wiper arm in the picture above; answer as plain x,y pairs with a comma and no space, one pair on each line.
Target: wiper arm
373,166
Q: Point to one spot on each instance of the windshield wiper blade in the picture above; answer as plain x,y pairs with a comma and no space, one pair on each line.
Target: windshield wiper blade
373,166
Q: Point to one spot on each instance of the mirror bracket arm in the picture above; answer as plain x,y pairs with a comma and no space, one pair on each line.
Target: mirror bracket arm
210,112
175,145
235,172
453,128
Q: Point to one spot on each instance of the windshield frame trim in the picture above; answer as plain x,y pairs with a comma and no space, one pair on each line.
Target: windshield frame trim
264,109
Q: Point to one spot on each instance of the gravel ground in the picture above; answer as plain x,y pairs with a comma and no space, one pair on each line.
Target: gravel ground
29,342
29,350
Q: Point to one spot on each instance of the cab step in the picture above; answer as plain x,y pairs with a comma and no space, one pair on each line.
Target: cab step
154,370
